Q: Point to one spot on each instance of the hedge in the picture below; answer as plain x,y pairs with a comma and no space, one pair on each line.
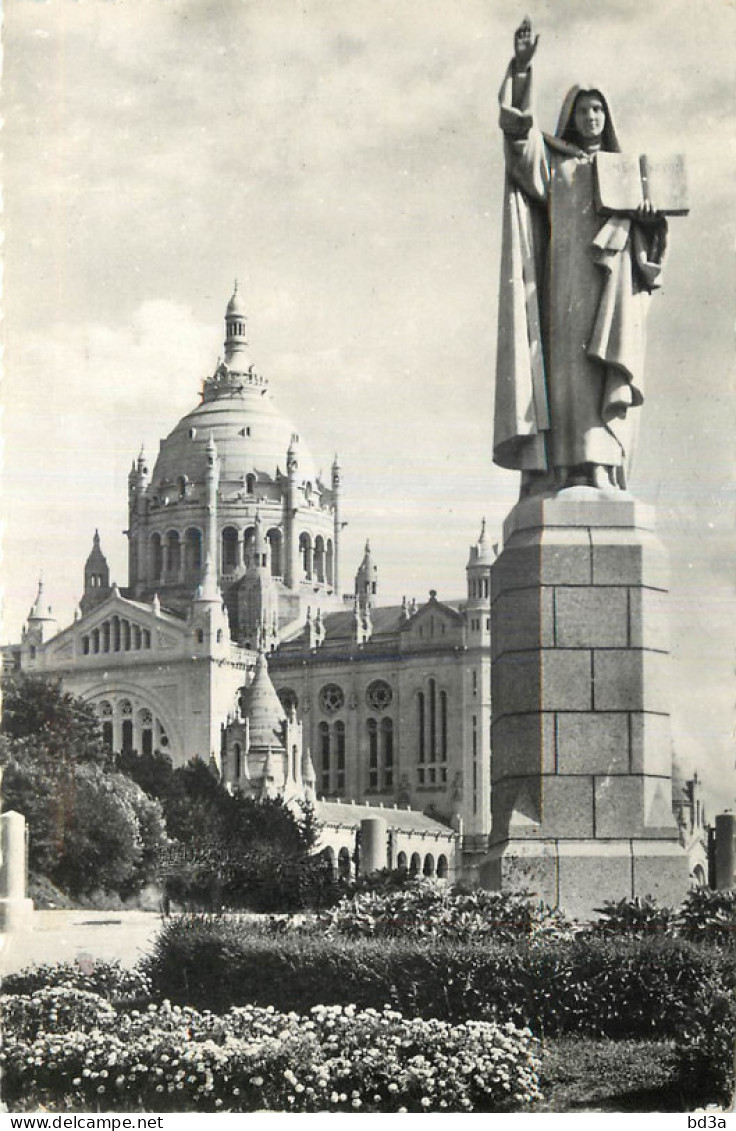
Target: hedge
609,987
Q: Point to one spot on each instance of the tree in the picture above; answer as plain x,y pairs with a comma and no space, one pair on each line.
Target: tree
89,827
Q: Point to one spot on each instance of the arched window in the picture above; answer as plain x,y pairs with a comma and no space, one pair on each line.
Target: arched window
193,553
173,554
106,636
116,637
288,698
428,869
157,558
387,752
324,749
433,735
340,754
237,760
249,537
443,726
372,754
442,868
305,549
145,720
330,563
274,542
229,549
126,635
344,864
136,637
416,864
250,483
319,558
401,863
95,640
85,645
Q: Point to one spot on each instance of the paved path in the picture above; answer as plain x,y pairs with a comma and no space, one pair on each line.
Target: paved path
64,936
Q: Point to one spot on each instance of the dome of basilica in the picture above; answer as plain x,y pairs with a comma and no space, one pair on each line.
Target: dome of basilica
251,435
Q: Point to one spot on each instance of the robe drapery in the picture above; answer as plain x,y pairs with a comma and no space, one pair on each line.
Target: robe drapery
572,308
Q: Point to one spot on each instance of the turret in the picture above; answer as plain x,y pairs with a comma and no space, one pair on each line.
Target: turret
237,358
478,571
291,572
207,617
366,582
138,481
96,577
266,717
40,627
337,527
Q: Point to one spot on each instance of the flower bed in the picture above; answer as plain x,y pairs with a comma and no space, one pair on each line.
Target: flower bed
68,1047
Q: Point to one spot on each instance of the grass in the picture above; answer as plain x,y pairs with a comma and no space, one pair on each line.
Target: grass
584,1074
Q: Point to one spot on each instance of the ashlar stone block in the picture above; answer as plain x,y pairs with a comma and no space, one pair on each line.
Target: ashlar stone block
651,744
628,557
567,806
539,557
523,619
661,870
523,744
591,617
591,872
630,680
592,743
649,624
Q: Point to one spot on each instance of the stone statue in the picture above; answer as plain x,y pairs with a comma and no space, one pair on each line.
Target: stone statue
575,285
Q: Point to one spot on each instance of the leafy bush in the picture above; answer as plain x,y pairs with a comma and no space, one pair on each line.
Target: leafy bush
638,916
706,1048
618,987
56,1009
173,1059
709,916
108,979
425,909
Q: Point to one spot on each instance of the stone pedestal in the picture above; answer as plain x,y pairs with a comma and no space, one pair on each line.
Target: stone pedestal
581,746
15,908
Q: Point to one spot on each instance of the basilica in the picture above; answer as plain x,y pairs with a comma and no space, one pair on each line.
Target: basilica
241,639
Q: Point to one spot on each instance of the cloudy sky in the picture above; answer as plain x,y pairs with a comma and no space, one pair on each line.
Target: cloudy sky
341,158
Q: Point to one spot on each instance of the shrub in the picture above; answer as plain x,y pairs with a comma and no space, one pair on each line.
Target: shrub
424,909
638,916
709,916
706,1049
173,1059
108,979
56,1009
618,987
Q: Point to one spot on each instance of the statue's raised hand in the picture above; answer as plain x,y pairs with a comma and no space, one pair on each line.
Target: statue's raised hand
524,44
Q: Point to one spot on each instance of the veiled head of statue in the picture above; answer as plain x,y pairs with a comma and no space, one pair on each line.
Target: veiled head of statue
586,120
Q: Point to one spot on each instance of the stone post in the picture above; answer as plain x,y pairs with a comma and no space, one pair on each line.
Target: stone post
725,854
373,844
581,748
15,908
